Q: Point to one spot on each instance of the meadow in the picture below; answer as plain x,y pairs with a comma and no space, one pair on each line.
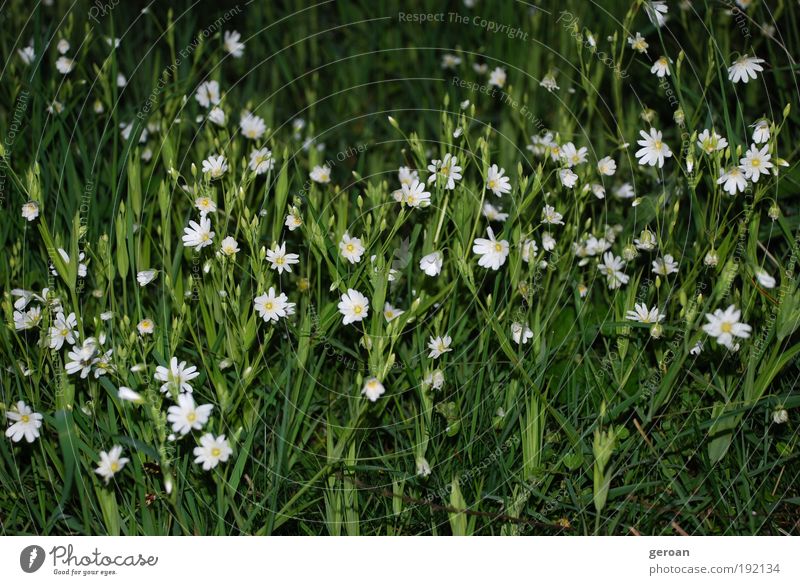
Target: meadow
358,268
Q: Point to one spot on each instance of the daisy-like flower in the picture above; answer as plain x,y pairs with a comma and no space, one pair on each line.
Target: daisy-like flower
63,329
450,61
761,131
568,178
82,358
261,161
211,451
521,333
273,308
30,210
321,174
353,306
186,416
391,313
439,345
111,463
493,252
497,182
229,246
611,267
548,241
207,94
205,205
253,127
145,277
492,213
765,279
665,266
176,377
415,195
529,250
497,77
431,264
656,11
551,216
646,241
638,43
744,69
573,156
103,363
606,166
653,151
434,379
373,389
725,325
732,180
280,260
447,169
215,166
146,326
755,162
641,314
709,141
65,65
217,116
198,235
25,423
661,67
406,176
27,55
293,221
233,45
27,319
351,248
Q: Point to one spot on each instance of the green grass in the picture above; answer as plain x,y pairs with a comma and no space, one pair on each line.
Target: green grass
592,427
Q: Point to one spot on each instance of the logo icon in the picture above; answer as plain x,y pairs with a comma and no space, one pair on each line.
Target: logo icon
31,558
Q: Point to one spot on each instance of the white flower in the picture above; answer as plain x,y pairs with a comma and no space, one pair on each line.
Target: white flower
761,132
354,306
215,166
732,180
217,116
447,168
431,264
351,248
186,416
653,150
638,43
697,348
755,162
63,329
65,65
665,266
709,141
497,182
232,43
280,260
439,346
492,213
25,423
145,277
30,210
211,451
780,416
625,191
414,195
198,235
497,77
391,313
176,377
205,205
423,467
321,174
642,314
493,253
572,155
551,216
373,389
567,178
229,246
207,93
660,67
434,379
521,333
111,463
293,221
548,242
549,83
406,176
656,11
63,46
450,61
606,166
253,127
725,325
764,279
146,326
272,308
261,161
529,250
128,395
744,69
82,358
646,240
611,267
27,55
27,319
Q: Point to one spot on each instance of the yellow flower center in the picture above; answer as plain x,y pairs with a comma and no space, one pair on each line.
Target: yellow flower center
358,309
492,184
191,417
498,248
65,332
726,327
215,452
25,418
658,144
755,162
268,306
350,247
114,467
279,260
